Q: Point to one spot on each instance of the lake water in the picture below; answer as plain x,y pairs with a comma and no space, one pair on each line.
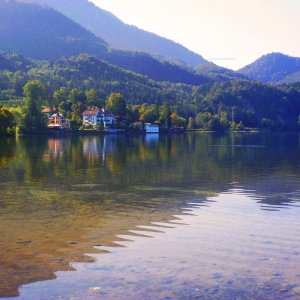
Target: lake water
196,216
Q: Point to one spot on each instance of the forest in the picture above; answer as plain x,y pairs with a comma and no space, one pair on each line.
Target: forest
73,84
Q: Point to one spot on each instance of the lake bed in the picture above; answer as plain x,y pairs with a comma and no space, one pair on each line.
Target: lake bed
197,216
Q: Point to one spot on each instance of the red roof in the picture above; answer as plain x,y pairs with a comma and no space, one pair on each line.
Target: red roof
46,110
91,112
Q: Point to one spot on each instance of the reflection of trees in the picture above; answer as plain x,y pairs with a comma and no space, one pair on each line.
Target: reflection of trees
89,189
7,148
204,160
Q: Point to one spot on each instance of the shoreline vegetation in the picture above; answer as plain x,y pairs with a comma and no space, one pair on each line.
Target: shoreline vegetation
29,118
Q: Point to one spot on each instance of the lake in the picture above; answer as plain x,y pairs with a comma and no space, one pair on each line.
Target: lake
196,216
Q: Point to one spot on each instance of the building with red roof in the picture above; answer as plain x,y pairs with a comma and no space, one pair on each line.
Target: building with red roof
95,116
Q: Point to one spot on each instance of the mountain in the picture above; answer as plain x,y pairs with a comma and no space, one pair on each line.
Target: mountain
216,72
14,62
84,72
273,68
120,35
40,32
254,104
291,78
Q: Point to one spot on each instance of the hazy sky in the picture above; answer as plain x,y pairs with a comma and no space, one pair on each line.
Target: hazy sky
232,33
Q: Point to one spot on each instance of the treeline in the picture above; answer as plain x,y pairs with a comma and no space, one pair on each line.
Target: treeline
87,81
29,118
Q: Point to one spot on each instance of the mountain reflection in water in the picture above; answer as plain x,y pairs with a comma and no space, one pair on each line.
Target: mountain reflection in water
63,198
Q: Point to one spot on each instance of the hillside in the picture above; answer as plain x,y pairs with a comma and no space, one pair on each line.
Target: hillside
83,72
42,33
291,78
120,35
212,106
216,72
273,68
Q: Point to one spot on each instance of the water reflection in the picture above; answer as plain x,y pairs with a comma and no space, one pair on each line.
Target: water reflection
59,197
224,249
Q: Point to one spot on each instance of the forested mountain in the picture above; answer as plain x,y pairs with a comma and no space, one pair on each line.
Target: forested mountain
216,72
43,33
291,78
120,35
273,68
83,72
73,64
214,106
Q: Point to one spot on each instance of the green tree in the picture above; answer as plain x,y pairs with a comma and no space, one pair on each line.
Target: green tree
190,123
77,110
165,114
65,106
76,95
33,119
149,114
202,120
116,104
92,99
177,121
132,114
59,96
18,116
7,121
76,123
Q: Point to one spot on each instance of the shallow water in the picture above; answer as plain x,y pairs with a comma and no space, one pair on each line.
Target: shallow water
183,217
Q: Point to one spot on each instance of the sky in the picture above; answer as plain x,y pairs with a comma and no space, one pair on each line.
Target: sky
231,33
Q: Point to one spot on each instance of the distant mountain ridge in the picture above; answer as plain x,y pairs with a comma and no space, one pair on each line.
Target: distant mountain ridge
273,68
40,32
43,33
216,72
120,35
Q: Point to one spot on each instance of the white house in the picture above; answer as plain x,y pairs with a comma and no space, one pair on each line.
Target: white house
94,117
58,121
151,128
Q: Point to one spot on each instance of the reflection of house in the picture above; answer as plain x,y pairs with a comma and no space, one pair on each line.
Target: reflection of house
91,148
56,148
95,116
151,128
58,121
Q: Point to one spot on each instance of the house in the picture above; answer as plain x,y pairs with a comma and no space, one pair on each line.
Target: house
95,116
47,111
151,128
58,121
55,119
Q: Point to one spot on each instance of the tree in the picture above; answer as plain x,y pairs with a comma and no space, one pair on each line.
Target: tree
191,123
149,114
202,119
33,119
59,96
165,113
35,91
116,104
7,121
76,95
77,110
177,121
92,98
132,114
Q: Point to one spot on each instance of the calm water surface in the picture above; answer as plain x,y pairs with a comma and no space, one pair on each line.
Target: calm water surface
183,217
